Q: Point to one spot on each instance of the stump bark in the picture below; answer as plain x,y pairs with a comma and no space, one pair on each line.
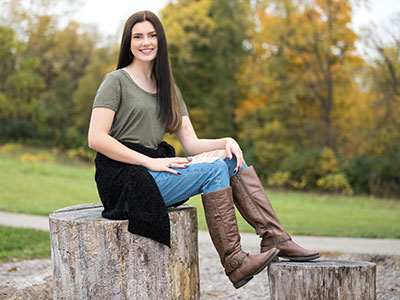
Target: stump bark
322,280
97,258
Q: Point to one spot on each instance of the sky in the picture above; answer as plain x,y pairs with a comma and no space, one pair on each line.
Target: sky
110,15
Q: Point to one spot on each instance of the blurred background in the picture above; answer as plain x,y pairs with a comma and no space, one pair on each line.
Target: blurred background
309,88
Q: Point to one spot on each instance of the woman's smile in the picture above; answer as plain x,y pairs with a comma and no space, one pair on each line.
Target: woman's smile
144,42
146,51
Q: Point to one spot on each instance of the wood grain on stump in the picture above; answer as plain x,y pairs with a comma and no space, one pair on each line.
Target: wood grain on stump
322,280
97,258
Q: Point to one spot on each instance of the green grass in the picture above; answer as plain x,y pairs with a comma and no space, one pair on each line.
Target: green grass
42,187
21,243
328,215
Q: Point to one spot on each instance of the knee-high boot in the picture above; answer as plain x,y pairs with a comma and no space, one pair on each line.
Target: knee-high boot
254,206
239,266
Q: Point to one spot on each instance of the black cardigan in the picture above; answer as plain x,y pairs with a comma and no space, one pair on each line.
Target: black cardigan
120,184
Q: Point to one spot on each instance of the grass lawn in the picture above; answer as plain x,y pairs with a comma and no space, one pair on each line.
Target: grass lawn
39,181
327,215
21,243
41,187
44,186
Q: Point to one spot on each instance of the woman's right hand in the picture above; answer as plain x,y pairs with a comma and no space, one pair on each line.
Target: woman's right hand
166,164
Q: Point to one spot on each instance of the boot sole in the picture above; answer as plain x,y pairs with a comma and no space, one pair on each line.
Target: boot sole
300,259
249,277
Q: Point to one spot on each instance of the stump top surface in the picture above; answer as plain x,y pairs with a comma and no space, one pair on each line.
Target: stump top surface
322,263
92,212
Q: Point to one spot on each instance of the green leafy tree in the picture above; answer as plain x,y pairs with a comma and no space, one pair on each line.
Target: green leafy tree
22,111
9,46
206,42
102,61
49,61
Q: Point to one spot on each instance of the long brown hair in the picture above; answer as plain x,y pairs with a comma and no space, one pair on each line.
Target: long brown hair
169,109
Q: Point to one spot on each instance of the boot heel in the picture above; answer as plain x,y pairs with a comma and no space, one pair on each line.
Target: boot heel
243,281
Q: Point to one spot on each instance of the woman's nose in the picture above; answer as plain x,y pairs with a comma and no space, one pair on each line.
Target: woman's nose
146,40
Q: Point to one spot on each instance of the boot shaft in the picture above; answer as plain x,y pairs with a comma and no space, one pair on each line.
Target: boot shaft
253,204
255,207
239,266
222,224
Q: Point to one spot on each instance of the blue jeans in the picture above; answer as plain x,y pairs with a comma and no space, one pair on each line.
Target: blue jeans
198,178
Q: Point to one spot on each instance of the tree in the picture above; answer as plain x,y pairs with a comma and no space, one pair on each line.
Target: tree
45,68
206,43
102,61
9,46
21,109
306,52
63,62
383,82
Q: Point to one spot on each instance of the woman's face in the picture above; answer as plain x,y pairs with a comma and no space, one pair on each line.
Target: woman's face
144,43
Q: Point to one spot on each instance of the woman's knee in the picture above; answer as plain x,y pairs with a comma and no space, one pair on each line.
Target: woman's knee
220,167
217,176
209,156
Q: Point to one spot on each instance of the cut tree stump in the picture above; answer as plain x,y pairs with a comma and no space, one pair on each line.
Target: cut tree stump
322,280
97,258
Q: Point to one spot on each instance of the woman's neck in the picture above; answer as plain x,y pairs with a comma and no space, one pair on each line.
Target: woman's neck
142,70
141,74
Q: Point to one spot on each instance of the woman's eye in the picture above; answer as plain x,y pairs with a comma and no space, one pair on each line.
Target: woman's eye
136,37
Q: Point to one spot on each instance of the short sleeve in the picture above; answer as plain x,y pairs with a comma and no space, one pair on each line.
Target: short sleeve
183,105
109,93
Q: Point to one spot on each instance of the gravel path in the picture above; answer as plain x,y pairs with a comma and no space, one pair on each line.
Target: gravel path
215,285
31,279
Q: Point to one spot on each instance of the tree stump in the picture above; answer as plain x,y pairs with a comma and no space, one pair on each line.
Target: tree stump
97,258
322,280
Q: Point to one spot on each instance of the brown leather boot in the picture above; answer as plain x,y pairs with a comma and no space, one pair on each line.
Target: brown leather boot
253,204
239,266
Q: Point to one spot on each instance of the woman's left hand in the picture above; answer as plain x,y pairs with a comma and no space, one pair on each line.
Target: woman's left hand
233,148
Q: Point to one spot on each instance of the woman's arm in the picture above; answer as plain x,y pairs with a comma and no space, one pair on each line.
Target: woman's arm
193,145
100,140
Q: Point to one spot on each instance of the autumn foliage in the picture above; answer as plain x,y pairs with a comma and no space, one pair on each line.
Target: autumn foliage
284,77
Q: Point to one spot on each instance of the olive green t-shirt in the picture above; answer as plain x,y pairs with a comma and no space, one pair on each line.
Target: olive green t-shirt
136,111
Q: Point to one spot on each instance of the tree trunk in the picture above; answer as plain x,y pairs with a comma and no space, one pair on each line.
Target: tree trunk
97,258
322,280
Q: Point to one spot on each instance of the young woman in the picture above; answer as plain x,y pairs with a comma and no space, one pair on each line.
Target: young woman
138,176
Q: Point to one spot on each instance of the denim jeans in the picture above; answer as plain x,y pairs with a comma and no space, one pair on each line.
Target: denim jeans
197,178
